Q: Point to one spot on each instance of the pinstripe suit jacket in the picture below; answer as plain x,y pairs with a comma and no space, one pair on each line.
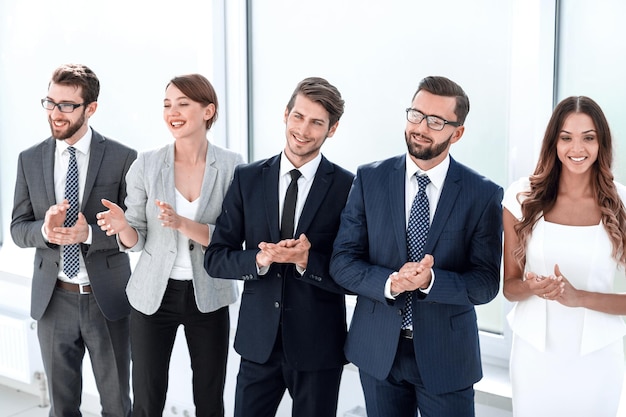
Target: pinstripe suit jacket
151,177
108,269
465,239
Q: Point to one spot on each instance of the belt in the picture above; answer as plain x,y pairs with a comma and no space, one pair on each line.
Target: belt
79,288
406,333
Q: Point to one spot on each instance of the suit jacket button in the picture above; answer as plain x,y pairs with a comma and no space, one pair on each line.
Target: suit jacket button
276,304
279,275
399,312
191,246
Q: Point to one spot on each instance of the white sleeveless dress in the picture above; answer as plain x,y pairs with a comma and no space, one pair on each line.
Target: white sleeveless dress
566,361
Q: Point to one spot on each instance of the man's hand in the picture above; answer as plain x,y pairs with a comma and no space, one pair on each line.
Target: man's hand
70,235
413,275
55,216
293,251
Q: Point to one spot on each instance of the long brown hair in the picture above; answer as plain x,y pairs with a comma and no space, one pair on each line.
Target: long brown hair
544,183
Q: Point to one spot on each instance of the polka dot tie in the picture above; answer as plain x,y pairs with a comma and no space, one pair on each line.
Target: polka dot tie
71,260
416,233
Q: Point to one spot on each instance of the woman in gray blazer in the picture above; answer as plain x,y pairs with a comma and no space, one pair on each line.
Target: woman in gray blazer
174,197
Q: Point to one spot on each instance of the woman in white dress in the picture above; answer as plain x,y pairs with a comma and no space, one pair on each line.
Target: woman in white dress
564,240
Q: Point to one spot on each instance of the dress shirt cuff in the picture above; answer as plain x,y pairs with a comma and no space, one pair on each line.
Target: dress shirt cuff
89,236
262,270
388,293
300,270
43,233
432,281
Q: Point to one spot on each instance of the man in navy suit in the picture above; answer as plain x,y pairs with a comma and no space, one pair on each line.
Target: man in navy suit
292,319
430,361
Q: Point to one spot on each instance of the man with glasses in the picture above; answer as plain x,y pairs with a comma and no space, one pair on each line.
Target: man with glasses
79,274
420,245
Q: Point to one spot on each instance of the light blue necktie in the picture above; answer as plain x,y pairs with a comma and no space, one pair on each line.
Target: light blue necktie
71,260
416,233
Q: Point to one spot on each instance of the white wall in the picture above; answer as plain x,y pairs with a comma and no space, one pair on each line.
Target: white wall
135,47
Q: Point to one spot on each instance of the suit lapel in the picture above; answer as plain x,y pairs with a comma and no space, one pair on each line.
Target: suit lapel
317,194
167,177
396,202
271,171
208,182
449,194
47,164
96,153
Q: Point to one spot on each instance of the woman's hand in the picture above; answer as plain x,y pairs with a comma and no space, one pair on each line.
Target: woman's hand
546,287
113,220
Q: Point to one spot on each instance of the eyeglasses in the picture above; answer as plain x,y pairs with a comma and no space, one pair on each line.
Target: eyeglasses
433,122
63,107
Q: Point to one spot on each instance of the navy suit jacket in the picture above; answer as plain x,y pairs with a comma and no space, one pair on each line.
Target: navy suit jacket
310,309
107,267
465,239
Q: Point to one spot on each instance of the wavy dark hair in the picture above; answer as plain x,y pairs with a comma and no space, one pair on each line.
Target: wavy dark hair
544,183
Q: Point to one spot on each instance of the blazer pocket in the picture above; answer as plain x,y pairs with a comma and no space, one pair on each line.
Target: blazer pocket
142,271
463,321
220,283
117,260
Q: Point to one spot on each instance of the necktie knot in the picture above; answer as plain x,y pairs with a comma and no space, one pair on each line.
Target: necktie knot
422,181
295,174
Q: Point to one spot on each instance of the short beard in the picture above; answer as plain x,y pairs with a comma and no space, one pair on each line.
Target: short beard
71,130
426,154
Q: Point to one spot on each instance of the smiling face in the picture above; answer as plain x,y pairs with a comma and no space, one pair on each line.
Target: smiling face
577,145
183,116
68,126
306,129
428,147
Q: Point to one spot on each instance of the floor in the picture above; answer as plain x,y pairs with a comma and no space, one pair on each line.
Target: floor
14,403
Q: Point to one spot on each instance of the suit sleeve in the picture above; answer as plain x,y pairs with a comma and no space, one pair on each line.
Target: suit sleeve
349,265
135,200
100,240
25,226
478,281
226,257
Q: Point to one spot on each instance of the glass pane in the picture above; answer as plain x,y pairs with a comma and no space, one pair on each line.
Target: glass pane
377,72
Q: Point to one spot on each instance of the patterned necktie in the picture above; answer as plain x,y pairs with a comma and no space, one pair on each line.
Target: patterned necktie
289,208
416,233
71,260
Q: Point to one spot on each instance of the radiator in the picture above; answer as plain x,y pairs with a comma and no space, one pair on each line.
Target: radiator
20,358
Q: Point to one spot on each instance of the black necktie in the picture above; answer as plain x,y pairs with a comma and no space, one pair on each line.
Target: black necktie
289,208
416,233
71,260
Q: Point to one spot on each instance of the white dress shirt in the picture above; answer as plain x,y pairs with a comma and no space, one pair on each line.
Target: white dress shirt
61,162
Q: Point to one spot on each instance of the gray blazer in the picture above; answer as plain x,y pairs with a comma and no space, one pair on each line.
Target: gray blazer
151,177
108,269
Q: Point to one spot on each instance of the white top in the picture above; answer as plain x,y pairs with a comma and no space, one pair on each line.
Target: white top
182,269
583,254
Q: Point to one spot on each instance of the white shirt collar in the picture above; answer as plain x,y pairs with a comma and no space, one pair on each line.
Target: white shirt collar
436,174
307,170
82,145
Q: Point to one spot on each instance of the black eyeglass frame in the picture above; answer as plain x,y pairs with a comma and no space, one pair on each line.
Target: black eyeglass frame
428,118
61,106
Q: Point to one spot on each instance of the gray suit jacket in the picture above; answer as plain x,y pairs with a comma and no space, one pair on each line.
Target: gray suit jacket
108,269
151,177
